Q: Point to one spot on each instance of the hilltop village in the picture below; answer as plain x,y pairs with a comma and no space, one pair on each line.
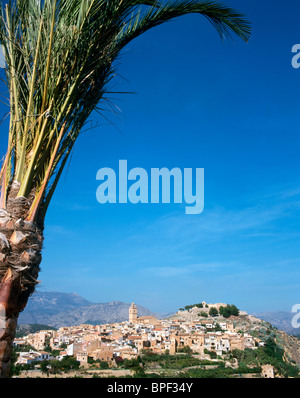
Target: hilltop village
127,340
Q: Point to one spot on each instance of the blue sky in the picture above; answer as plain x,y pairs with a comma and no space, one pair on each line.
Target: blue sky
228,107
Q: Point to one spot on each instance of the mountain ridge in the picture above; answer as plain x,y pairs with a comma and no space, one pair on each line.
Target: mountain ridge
68,309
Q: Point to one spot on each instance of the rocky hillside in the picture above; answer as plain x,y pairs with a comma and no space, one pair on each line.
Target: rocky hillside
253,325
67,309
290,344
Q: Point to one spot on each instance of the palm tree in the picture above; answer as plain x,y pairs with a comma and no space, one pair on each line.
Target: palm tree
59,60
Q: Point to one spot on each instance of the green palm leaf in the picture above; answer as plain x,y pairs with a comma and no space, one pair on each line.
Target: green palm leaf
60,58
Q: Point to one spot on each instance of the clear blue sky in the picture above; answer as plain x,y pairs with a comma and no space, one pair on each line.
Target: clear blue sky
230,108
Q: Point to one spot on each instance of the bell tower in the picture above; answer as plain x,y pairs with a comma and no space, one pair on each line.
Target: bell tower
132,313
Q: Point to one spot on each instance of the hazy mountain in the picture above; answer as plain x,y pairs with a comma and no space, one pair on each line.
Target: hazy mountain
52,302
67,309
281,319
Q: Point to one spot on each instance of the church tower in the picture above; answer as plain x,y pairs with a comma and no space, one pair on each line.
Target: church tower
132,313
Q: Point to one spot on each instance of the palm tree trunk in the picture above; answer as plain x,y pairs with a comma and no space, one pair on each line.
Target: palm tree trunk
9,291
20,256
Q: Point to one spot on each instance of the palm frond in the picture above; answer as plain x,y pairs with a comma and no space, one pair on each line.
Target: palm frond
60,58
